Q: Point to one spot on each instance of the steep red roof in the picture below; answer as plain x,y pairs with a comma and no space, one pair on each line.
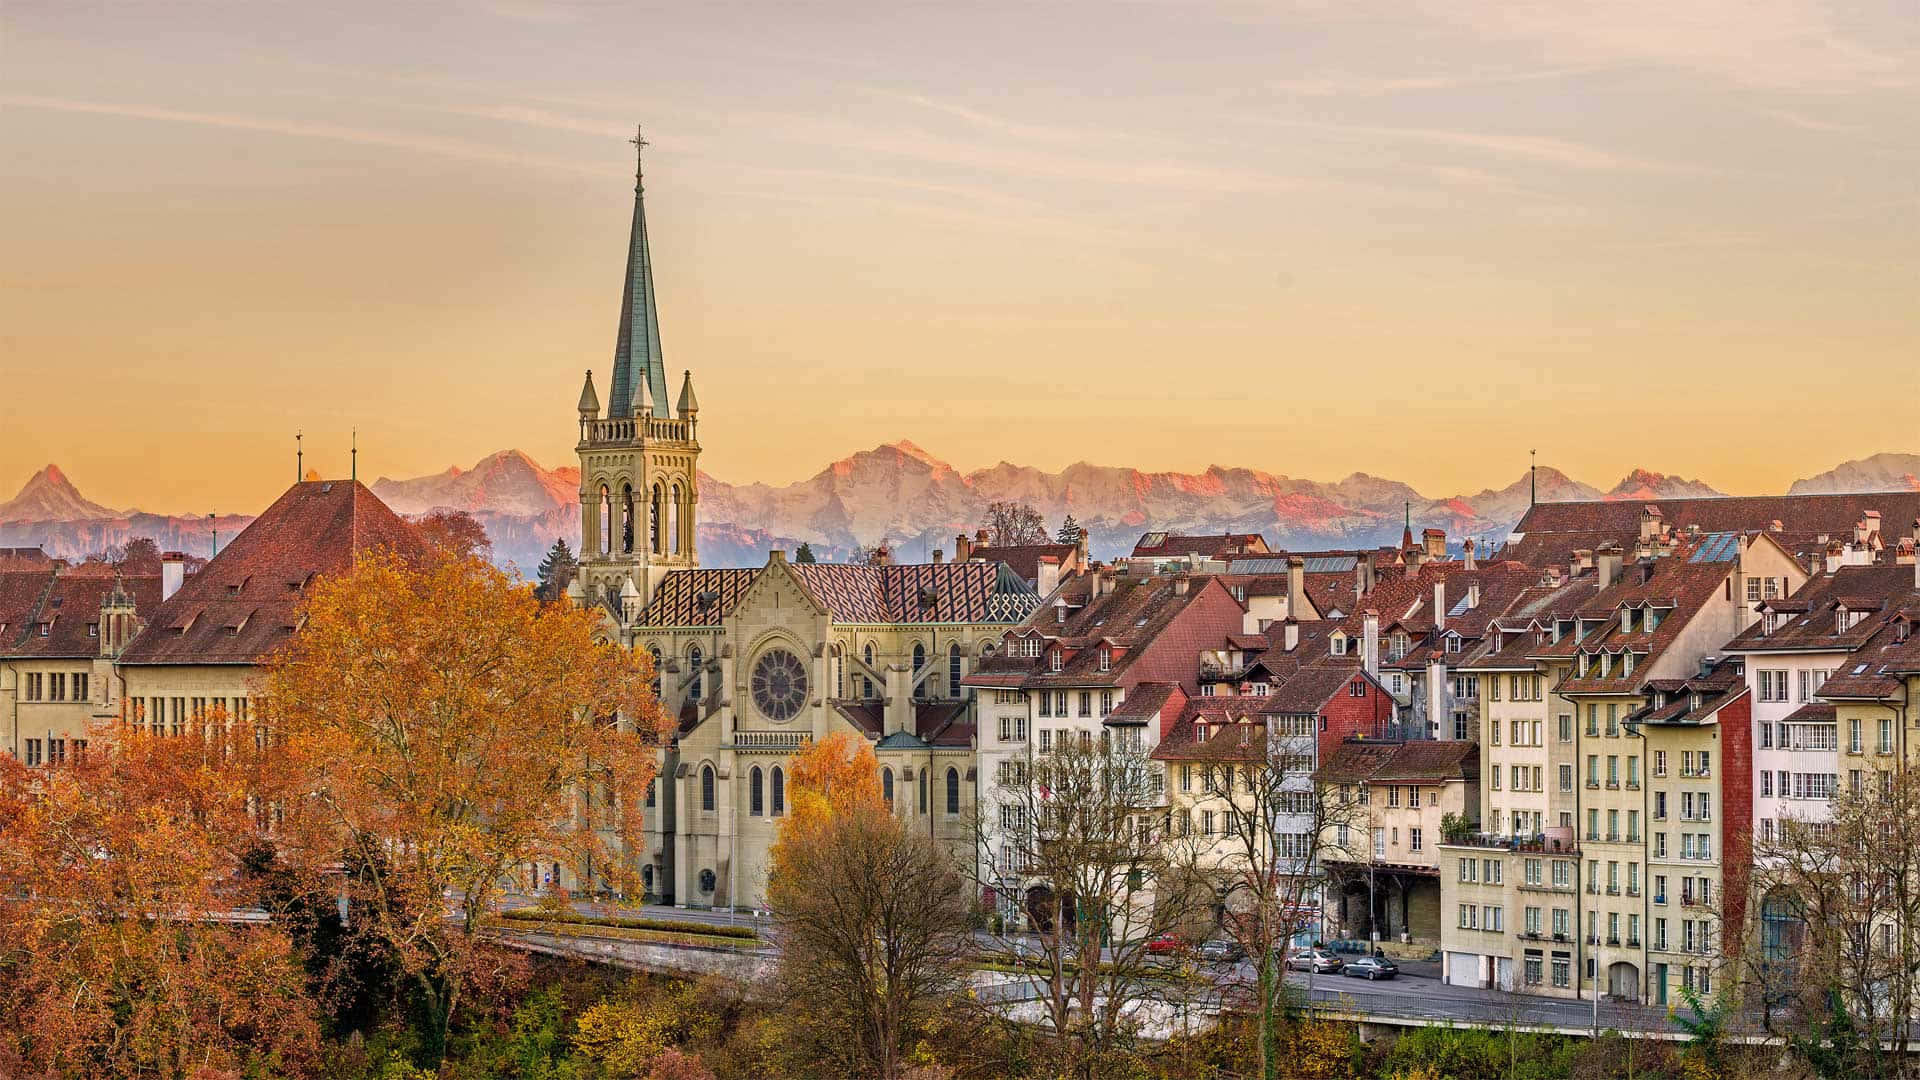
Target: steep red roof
1428,760
962,592
66,605
1025,559
240,606
1172,545
1551,532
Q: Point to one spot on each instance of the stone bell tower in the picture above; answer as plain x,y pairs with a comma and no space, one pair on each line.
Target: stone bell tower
639,474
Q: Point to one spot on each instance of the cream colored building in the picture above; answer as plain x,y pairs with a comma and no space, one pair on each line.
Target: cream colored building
60,630
1387,864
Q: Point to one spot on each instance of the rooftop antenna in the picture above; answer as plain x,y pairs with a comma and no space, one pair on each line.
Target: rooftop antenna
353,454
299,459
214,528
1533,483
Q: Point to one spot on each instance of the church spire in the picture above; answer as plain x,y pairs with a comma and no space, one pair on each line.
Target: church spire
636,356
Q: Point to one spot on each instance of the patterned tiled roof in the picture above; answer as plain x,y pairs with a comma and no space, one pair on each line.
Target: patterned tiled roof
240,606
895,594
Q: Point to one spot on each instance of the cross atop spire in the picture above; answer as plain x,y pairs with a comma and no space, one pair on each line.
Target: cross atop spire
640,145
639,371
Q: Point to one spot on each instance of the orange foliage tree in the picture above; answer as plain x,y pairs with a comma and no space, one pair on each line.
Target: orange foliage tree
448,730
870,915
129,942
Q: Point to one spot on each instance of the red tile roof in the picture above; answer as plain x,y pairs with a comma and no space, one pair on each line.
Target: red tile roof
67,604
1171,545
1404,762
241,605
1551,532
1025,559
895,594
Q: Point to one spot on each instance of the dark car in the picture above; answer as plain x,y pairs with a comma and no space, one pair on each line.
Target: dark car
1370,968
1222,950
1319,961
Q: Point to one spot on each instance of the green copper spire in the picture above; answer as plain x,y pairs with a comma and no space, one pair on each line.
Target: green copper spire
639,372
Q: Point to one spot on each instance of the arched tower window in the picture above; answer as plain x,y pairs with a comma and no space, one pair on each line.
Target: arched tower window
953,790
953,670
654,652
626,518
603,542
923,789
886,786
754,794
919,658
694,659
673,523
706,787
839,673
779,791
653,523
866,683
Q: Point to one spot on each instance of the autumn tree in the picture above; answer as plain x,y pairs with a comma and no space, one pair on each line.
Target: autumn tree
871,923
1013,523
1276,819
130,942
447,730
456,533
1837,944
1086,835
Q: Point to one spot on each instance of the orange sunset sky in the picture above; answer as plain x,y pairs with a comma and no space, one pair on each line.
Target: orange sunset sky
1412,239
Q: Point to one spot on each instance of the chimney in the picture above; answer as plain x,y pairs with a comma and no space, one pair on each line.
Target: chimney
1435,541
1439,606
980,538
1370,643
1609,560
1473,595
939,556
1471,552
1649,522
173,572
1868,525
1836,555
1181,583
1414,558
1360,568
1296,586
1292,634
1081,543
962,550
1437,698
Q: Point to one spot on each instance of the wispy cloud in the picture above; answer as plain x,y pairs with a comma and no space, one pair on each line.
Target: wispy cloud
1345,85
408,141
1543,149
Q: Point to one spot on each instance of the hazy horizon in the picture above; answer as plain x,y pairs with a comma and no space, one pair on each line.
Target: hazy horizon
1412,241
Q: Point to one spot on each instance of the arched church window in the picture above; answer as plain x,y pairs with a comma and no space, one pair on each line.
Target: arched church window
603,543
886,786
706,787
923,790
754,794
694,659
919,658
779,791
653,651
839,673
673,523
626,518
866,684
953,790
953,670
653,523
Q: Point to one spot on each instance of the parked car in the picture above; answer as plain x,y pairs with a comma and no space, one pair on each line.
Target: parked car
1222,951
1165,944
1370,968
1319,961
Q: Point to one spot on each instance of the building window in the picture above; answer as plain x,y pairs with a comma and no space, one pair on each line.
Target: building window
1413,839
953,790
919,658
923,790
706,787
886,786
694,661
779,791
953,670
754,793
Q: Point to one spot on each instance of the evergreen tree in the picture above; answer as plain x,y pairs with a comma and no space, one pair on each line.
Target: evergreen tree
557,569
1070,532
804,554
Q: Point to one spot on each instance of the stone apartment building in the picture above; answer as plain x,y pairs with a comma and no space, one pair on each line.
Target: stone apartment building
61,629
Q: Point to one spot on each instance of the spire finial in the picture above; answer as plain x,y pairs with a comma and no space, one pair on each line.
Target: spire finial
299,459
353,454
640,145
1533,482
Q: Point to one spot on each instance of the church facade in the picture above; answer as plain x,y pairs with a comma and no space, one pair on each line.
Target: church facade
757,662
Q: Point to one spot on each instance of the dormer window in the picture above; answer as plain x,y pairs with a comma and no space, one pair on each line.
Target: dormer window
1056,660
46,628
1339,645
1106,659
1626,620
1654,618
1453,643
1199,733
1583,665
1626,665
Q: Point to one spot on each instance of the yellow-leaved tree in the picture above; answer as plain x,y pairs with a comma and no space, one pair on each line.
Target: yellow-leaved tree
446,729
869,914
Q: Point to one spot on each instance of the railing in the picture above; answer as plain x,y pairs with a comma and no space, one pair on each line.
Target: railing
627,429
768,740
1534,844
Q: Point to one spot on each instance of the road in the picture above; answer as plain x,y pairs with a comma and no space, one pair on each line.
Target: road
1418,992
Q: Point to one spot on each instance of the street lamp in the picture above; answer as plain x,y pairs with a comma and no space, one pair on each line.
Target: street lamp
1373,926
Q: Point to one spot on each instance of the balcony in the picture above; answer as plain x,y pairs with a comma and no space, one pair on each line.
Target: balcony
1536,843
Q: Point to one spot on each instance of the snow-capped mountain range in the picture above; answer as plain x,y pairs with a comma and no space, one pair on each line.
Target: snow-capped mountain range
915,502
